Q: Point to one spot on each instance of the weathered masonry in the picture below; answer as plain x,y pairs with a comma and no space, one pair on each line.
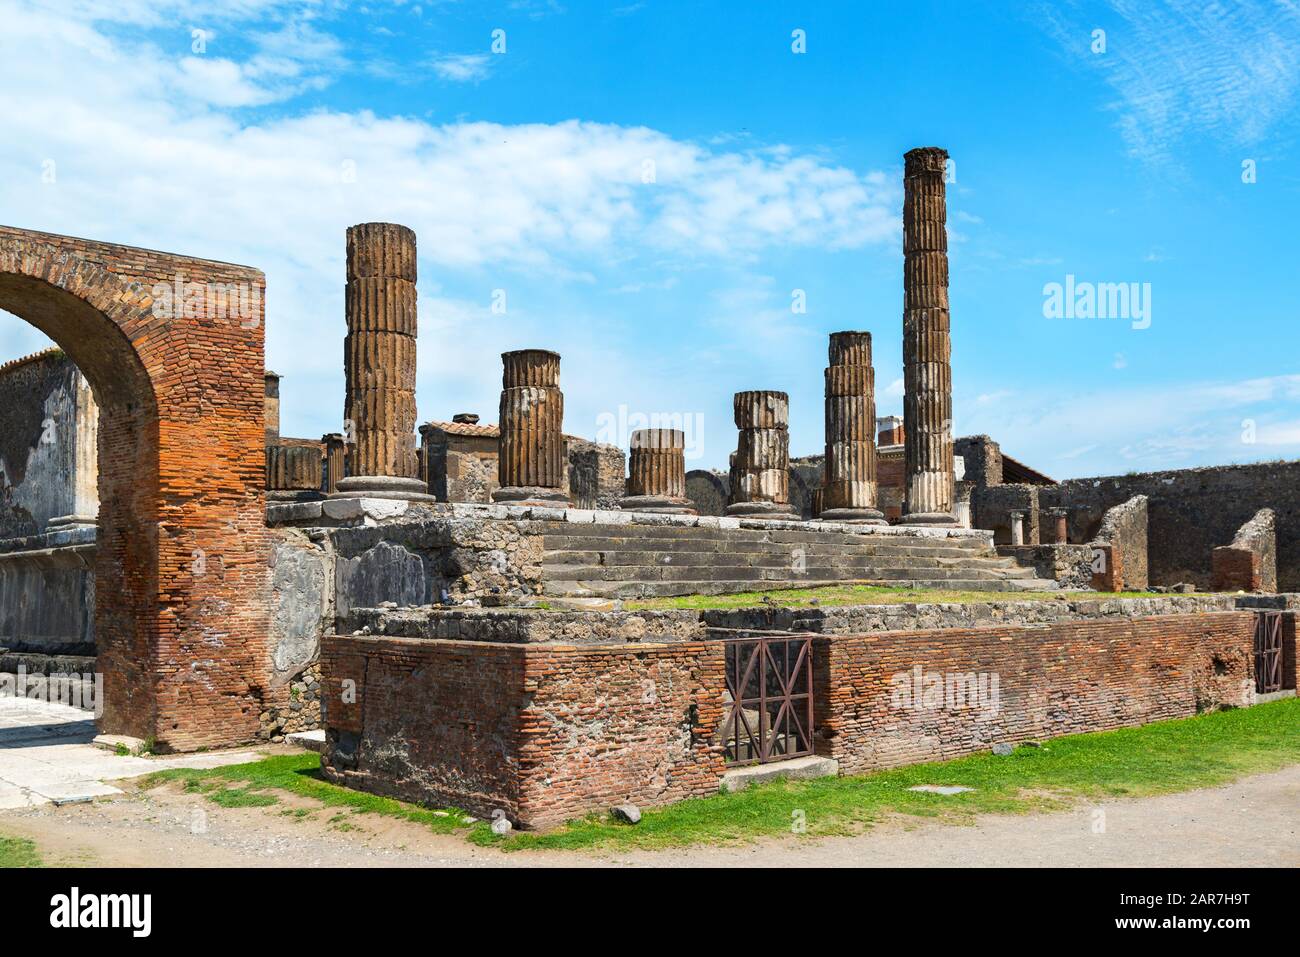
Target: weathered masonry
180,564
545,716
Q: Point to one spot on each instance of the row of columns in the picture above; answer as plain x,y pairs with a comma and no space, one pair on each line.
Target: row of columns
380,366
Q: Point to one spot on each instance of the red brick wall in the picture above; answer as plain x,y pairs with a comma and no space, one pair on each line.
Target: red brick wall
182,567
1236,569
1064,678
541,732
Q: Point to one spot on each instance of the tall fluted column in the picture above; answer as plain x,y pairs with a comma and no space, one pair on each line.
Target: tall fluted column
657,472
760,466
530,464
379,364
849,479
927,349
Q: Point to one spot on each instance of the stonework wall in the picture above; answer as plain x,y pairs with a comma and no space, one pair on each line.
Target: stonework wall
45,409
1250,562
541,733
992,505
1191,513
1067,678
1070,566
597,474
1125,529
47,593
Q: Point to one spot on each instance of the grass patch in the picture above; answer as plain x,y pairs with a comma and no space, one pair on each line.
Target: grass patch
18,852
244,785
1160,758
850,594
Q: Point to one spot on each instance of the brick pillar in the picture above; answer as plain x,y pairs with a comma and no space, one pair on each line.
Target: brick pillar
1062,526
657,472
760,466
927,348
848,492
379,364
293,473
530,465
335,456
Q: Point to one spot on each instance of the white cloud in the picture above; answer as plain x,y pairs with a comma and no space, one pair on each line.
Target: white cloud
176,151
463,67
1228,70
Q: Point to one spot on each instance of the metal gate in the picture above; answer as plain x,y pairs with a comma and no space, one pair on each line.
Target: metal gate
769,700
1268,652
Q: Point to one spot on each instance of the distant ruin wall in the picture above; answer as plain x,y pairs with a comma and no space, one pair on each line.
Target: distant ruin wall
1191,513
1126,529
1250,562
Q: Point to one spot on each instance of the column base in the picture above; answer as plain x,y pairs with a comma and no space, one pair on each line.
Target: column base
930,518
383,486
855,516
531,495
659,504
774,510
294,495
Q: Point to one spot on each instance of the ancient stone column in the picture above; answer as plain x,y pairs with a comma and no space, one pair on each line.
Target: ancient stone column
657,472
927,349
335,455
531,461
1017,528
1062,526
760,466
849,480
379,364
293,473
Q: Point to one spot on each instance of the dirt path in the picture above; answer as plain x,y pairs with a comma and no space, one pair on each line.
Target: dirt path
1254,821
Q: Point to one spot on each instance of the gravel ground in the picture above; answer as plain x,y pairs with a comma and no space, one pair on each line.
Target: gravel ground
1252,822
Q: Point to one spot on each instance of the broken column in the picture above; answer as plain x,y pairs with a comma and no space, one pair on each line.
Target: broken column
294,473
657,472
335,452
760,466
531,461
379,365
848,492
927,349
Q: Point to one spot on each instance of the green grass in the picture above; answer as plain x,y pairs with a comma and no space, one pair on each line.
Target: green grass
18,852
850,594
1160,758
246,785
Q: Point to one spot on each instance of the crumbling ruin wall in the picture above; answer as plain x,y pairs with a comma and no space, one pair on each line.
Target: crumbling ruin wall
992,505
1250,562
597,474
1070,566
47,593
537,733
1191,513
876,705
1125,532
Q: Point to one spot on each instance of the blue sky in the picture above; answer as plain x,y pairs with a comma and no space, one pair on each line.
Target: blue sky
524,172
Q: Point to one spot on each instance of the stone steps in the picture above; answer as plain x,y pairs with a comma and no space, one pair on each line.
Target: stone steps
628,561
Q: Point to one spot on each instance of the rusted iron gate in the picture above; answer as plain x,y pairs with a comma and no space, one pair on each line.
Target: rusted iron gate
769,699
1268,652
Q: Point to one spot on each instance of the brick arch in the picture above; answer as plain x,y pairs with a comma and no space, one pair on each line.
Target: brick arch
182,565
